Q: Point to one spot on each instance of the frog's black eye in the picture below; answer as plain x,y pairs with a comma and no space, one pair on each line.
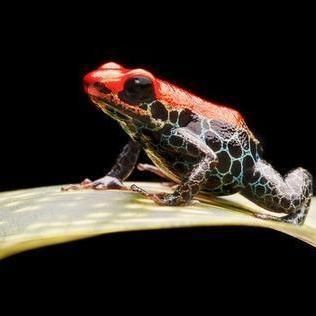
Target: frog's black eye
137,90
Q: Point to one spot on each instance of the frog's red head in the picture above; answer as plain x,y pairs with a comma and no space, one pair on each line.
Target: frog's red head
117,90
137,96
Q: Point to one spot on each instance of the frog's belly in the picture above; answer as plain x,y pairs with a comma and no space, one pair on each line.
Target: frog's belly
222,180
166,167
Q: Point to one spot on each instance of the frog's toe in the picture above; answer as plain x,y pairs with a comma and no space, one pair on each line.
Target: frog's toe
85,184
105,183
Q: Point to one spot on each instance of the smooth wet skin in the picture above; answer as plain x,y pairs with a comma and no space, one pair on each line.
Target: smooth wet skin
197,144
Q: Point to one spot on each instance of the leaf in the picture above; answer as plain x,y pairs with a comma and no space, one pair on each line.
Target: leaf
39,217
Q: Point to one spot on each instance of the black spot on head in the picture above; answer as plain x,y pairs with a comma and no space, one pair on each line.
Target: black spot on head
223,162
213,141
137,90
234,148
185,117
159,111
173,116
144,106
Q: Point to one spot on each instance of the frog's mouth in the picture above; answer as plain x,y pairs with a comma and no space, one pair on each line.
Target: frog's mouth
112,105
109,108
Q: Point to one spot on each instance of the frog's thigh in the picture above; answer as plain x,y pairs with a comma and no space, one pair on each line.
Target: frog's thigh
290,194
224,190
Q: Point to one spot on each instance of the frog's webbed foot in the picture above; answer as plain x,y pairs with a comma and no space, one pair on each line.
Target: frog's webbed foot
105,183
164,199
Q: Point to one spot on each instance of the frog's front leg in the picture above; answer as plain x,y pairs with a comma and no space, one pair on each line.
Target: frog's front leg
121,170
193,183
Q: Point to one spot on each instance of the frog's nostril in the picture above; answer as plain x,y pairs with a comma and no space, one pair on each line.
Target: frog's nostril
111,66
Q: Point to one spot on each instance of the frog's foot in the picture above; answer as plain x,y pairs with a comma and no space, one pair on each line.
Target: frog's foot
105,183
164,199
297,218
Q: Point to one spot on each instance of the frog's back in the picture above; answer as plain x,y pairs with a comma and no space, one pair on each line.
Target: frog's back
224,130
179,98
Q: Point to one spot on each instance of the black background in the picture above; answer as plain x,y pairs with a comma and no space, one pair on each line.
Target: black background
263,66
52,134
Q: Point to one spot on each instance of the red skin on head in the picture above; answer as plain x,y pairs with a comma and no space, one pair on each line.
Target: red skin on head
113,76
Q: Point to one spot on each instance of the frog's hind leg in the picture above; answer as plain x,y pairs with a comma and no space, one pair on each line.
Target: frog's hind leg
290,195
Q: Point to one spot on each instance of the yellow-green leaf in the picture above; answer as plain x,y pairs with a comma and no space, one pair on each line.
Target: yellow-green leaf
43,216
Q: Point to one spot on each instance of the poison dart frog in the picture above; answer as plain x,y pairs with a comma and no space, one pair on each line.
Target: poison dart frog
199,145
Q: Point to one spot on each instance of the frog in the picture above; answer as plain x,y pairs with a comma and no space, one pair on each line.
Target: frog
200,146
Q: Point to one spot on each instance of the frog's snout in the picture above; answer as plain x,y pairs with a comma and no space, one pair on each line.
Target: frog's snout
93,85
96,81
